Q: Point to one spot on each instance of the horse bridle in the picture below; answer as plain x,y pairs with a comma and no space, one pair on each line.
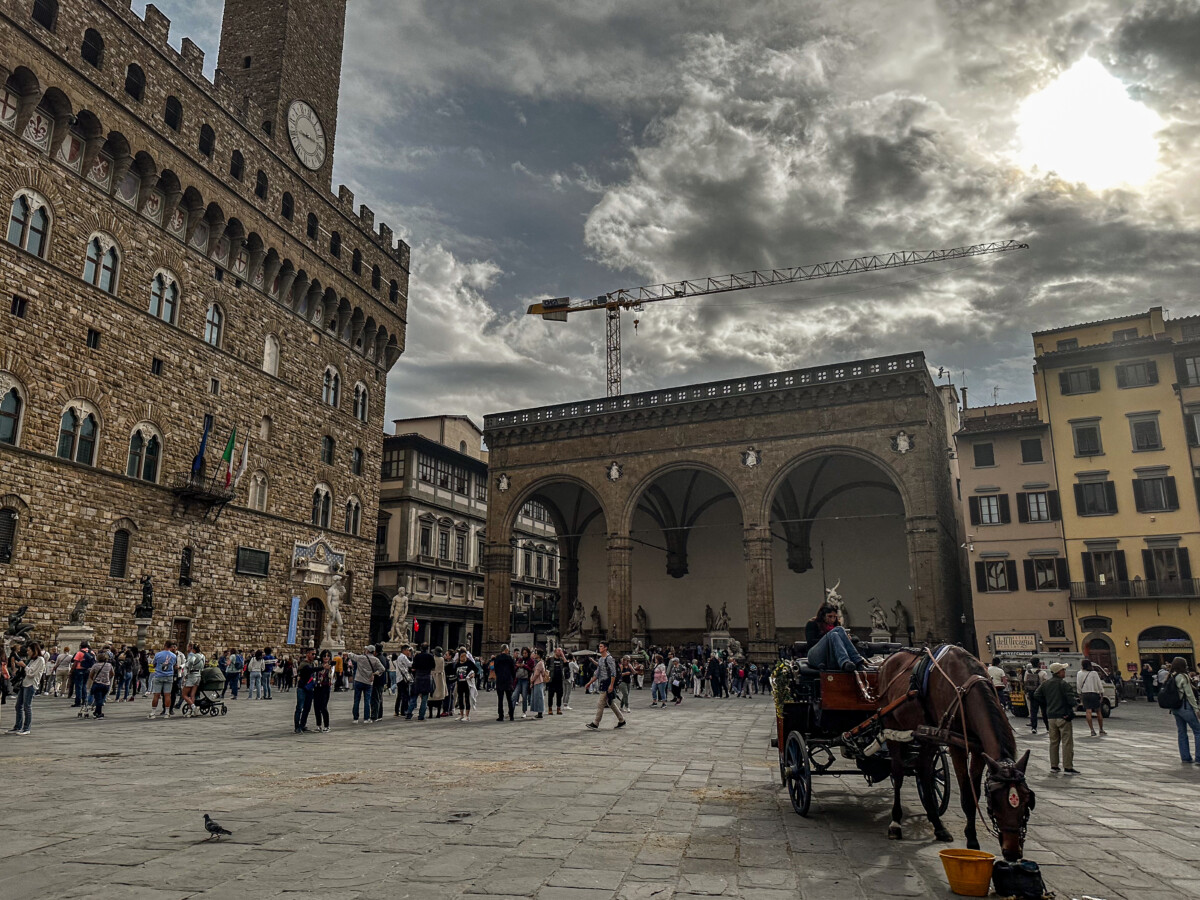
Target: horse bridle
1009,776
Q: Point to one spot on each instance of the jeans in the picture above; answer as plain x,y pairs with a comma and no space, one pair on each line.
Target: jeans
99,694
266,685
376,705
412,705
362,691
833,651
303,705
24,708
568,683
554,691
623,695
233,680
523,693
80,686
402,692
1185,718
1032,702
504,692
658,692
256,685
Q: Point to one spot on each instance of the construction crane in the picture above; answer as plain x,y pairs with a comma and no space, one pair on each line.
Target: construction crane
558,309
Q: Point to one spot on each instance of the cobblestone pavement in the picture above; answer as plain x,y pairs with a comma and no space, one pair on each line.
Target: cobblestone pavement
685,802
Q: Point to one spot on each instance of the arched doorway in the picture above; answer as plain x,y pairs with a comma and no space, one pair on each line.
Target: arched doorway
1100,651
381,619
828,514
687,534
312,624
1163,643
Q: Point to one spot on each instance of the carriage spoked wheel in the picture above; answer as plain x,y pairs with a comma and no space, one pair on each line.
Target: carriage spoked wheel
799,773
941,782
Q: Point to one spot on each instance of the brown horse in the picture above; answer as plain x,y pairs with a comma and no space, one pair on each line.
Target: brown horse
960,699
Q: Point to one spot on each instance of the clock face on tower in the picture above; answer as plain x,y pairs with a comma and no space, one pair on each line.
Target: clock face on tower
306,133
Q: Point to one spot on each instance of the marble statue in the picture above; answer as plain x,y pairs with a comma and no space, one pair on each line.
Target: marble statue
904,626
640,619
333,595
878,617
78,611
596,625
145,609
399,614
721,620
735,649
575,624
709,618
834,599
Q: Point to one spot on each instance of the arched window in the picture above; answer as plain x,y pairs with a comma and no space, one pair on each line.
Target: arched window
118,566
335,244
264,428
10,417
208,141
331,387
100,266
356,461
376,277
327,447
287,207
313,225
271,355
45,13
394,292
237,165
145,453
135,82
8,534
214,325
322,506
77,434
29,223
360,402
164,296
260,185
173,113
92,50
353,516
356,262
258,491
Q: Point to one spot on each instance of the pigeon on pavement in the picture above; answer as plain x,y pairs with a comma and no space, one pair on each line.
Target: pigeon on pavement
214,830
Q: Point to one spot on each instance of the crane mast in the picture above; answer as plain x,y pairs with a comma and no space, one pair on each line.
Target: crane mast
613,302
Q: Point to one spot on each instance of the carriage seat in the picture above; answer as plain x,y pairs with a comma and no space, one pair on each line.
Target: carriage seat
808,671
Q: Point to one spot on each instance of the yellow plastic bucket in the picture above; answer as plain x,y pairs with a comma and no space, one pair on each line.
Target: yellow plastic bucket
969,871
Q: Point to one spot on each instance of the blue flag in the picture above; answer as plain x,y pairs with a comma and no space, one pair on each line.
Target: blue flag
199,460
293,620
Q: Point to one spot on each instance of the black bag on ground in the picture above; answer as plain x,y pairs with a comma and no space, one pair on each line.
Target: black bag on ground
1168,694
1020,879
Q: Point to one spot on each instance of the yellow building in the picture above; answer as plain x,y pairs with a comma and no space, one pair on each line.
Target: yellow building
1122,399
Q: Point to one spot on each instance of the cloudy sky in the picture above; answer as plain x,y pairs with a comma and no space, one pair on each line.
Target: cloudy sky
530,149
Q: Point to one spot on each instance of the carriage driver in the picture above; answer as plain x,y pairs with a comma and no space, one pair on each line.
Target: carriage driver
829,647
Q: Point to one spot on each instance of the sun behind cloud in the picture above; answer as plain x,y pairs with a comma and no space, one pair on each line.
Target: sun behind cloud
1085,127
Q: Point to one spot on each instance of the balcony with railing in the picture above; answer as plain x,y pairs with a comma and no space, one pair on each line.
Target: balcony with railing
1135,590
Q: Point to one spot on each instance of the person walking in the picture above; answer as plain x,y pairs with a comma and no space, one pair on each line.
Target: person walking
625,680
697,678
366,666
379,684
31,669
84,660
1057,697
1147,676
438,698
191,681
524,668
605,679
1179,689
235,663
999,680
537,684
658,687
322,685
714,676
305,682
165,663
572,680
559,673
464,672
62,672
403,680
505,669
255,668
268,659
100,680
1091,692
676,674
1035,676
422,666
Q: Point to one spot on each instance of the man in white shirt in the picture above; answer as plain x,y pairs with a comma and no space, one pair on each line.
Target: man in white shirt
999,680
1090,687
403,680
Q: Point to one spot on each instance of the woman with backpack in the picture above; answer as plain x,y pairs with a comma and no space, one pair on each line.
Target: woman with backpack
1177,695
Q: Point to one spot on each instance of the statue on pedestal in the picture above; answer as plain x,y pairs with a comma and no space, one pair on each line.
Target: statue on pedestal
709,618
639,617
145,609
834,599
904,626
721,619
18,631
77,613
399,612
878,617
575,623
597,627
333,595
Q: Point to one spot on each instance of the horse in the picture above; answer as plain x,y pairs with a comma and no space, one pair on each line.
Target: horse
959,699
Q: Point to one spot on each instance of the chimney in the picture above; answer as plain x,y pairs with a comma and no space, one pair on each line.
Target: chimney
964,395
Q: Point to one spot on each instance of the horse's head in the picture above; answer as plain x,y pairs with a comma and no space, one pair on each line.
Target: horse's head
1009,803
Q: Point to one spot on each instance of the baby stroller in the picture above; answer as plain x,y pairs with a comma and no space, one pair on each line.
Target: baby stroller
88,708
208,695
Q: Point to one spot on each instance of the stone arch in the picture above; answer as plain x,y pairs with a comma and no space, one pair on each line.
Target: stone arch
637,489
123,522
785,468
1100,649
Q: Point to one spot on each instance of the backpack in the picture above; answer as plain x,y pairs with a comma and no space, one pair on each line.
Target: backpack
1169,696
1032,680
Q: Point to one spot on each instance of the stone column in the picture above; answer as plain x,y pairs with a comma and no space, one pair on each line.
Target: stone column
497,595
620,592
760,593
568,581
936,606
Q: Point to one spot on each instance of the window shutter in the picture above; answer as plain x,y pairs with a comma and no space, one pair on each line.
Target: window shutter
1089,571
1064,577
1005,515
1079,499
1094,379
1185,564
1139,500
1022,507
1152,372
1122,377
1030,582
8,534
1189,425
120,554
980,578
1122,572
1053,505
1148,564
1172,493
1064,382
1110,494
1010,571
973,504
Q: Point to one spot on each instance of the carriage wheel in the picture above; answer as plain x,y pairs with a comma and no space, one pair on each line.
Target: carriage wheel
941,782
799,773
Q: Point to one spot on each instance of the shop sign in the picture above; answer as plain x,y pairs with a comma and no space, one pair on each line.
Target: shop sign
1026,642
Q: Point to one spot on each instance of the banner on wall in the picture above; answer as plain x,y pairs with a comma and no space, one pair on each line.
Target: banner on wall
293,620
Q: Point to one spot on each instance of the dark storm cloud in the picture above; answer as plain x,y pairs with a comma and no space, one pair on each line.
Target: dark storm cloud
1162,39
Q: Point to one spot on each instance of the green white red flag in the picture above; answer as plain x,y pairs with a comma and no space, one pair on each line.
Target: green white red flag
227,457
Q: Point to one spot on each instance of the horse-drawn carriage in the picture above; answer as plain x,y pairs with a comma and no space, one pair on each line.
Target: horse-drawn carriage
824,718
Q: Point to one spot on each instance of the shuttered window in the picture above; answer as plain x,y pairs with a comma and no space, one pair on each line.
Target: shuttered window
253,562
119,565
8,534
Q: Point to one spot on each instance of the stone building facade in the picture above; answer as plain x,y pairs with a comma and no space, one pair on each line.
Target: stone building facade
433,501
756,494
175,269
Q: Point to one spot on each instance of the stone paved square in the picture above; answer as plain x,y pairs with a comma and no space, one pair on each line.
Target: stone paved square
683,803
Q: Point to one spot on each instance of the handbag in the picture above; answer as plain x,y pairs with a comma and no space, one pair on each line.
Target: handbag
1022,880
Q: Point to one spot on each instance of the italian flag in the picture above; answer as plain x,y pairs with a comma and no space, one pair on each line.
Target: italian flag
227,457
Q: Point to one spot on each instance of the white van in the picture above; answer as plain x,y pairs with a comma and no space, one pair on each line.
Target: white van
1073,661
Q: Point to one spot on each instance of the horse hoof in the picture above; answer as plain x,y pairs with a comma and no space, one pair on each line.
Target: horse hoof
972,844
895,833
944,836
